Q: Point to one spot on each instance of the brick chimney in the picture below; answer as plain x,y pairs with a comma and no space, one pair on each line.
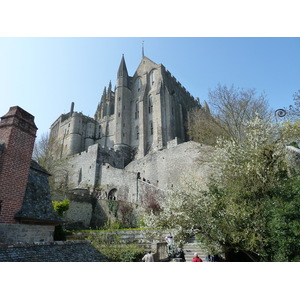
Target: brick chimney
17,136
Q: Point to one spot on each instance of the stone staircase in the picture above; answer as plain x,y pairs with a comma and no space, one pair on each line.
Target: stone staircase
193,246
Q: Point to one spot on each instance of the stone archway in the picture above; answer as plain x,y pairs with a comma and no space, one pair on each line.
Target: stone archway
112,195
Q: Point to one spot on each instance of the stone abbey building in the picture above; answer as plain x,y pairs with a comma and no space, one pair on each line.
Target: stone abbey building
139,131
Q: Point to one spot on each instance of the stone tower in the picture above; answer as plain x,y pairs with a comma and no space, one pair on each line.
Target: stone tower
123,112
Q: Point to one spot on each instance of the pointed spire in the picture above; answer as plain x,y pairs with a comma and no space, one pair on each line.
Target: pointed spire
109,88
104,94
143,49
122,72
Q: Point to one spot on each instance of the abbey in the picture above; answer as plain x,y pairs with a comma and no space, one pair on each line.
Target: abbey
139,116
131,136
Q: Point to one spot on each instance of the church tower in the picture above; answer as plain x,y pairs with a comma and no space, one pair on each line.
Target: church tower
123,112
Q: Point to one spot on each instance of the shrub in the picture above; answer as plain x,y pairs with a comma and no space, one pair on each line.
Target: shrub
111,246
61,207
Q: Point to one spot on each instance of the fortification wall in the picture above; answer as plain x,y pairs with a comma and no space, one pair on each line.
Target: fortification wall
83,168
123,181
170,168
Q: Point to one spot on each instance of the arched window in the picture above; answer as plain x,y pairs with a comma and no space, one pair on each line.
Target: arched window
112,195
152,77
100,132
137,131
112,108
151,127
80,176
150,104
139,84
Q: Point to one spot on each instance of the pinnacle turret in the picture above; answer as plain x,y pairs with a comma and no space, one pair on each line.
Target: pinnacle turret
122,72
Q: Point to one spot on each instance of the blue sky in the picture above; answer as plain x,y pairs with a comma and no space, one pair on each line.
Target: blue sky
44,75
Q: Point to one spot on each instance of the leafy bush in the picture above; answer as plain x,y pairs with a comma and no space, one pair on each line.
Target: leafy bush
113,225
61,207
110,245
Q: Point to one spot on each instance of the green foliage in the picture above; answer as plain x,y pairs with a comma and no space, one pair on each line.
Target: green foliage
283,216
110,244
252,203
113,225
61,207
113,206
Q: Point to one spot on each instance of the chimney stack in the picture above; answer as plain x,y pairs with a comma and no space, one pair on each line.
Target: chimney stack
17,136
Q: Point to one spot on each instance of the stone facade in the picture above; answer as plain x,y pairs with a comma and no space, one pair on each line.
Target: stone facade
137,143
141,115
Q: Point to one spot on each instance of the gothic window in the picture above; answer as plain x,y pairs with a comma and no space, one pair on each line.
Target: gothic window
137,132
139,84
107,129
112,108
112,194
136,110
151,128
80,176
150,105
152,77
99,134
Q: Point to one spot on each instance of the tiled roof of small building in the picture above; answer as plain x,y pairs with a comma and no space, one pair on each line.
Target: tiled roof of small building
37,207
68,251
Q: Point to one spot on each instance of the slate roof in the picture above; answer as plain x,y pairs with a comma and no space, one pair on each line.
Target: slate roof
37,206
67,251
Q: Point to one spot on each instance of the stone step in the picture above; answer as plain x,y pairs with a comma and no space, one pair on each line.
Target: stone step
193,246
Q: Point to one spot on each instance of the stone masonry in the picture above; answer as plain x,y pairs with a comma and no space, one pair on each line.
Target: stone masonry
137,143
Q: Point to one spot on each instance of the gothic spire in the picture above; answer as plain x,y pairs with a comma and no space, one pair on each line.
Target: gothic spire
103,95
122,72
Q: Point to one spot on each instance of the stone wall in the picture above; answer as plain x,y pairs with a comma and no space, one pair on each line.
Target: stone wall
12,233
165,170
79,214
170,168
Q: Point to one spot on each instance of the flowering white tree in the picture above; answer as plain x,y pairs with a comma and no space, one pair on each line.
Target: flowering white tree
235,211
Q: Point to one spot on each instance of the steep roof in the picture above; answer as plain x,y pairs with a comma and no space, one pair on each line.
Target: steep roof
122,72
